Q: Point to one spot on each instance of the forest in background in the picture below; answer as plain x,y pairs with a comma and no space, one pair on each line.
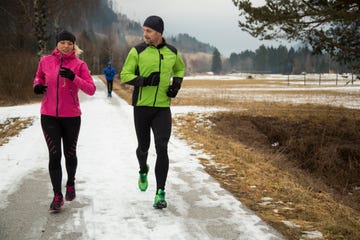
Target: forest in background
281,60
29,28
103,34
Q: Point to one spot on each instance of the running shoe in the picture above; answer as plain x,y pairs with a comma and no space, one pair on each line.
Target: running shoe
57,202
143,181
159,201
70,193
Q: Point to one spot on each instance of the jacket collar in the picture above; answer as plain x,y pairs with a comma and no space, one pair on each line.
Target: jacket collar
162,44
58,54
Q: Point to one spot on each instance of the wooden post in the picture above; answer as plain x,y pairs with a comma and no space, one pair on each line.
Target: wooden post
288,79
336,79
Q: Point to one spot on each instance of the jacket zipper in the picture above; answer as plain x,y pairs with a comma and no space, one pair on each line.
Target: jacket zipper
57,88
157,88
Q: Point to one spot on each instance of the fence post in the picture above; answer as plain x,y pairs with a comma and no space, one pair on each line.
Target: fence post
304,73
336,79
288,79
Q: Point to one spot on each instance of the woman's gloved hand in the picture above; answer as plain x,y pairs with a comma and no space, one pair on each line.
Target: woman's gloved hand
40,89
67,73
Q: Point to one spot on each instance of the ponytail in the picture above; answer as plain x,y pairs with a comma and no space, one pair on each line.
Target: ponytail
78,51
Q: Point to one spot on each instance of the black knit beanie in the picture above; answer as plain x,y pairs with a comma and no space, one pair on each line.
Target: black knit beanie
65,35
155,22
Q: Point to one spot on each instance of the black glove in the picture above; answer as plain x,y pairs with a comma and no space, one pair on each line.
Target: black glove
172,91
174,88
40,89
67,73
152,80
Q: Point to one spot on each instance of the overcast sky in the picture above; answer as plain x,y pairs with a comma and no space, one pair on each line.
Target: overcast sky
210,21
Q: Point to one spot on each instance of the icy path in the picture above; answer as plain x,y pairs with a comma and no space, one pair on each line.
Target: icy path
108,203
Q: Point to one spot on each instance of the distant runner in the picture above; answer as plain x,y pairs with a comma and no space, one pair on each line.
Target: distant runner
109,73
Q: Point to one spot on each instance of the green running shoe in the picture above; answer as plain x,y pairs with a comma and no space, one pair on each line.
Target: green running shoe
159,201
143,181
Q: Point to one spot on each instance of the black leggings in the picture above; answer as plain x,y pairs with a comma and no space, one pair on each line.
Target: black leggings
159,121
109,86
55,129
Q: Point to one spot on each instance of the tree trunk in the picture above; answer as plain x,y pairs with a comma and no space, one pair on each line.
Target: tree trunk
40,24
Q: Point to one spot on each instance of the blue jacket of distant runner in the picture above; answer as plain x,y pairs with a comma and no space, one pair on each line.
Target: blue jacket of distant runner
109,72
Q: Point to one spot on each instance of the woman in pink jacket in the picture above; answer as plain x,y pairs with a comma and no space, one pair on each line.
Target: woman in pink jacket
59,77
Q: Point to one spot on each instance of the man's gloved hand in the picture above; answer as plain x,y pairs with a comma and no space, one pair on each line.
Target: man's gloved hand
67,73
40,89
152,80
172,91
174,88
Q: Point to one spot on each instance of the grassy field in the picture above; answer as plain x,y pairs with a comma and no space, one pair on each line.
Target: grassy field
290,153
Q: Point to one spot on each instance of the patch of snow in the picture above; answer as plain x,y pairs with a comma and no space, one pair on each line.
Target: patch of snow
311,234
290,224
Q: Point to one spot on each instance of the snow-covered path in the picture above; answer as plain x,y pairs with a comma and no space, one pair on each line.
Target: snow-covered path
109,204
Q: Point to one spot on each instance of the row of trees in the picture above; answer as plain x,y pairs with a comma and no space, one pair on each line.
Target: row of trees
277,60
282,60
30,24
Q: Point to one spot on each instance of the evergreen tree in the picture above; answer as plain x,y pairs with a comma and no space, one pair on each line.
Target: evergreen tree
290,61
332,26
216,62
281,56
234,59
261,59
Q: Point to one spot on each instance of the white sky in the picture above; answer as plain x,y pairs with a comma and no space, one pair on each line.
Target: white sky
108,203
210,21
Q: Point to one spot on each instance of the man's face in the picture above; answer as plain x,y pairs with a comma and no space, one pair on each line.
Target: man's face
151,36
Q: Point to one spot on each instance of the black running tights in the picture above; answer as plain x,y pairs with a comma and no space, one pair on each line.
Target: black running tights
159,121
109,86
57,129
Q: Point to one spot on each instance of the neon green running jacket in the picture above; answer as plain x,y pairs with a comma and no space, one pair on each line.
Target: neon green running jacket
144,59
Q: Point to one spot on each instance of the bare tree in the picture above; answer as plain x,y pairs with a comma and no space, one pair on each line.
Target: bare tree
40,25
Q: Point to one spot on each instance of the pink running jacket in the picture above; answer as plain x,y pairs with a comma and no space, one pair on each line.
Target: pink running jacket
61,97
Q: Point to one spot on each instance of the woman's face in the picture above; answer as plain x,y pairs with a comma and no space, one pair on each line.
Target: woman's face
65,46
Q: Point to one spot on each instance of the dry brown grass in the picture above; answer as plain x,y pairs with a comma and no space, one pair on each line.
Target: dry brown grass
12,127
230,93
287,162
247,165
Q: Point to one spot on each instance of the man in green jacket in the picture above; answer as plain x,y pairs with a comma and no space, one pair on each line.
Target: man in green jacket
149,67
